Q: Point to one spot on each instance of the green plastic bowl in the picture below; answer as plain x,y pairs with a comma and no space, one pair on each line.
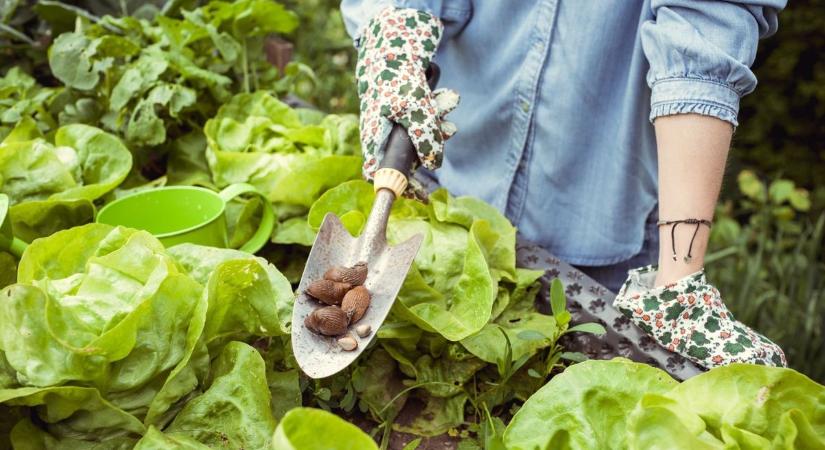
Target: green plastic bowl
186,214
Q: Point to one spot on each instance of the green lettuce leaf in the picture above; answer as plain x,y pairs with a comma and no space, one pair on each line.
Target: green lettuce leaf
79,412
51,185
8,269
517,325
257,139
736,406
102,161
187,161
585,407
450,290
27,436
438,416
295,230
621,404
113,315
154,440
350,201
234,410
377,385
40,218
251,17
247,295
22,98
315,429
285,388
74,61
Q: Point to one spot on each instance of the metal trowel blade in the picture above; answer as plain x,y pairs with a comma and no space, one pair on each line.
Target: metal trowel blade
320,356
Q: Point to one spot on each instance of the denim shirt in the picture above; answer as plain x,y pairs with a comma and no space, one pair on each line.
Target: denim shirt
558,98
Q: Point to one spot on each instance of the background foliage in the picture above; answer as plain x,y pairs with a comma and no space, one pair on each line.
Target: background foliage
768,250
328,50
782,128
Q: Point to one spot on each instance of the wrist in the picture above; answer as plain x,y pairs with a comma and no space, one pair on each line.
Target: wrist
674,262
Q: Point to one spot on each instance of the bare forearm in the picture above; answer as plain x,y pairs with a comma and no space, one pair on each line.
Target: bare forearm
692,152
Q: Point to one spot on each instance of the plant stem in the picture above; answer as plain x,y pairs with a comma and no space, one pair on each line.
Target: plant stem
245,65
15,34
415,386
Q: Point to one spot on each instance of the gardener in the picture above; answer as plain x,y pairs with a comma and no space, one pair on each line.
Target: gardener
555,133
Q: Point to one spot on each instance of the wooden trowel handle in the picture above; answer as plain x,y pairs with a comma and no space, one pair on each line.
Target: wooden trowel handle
400,156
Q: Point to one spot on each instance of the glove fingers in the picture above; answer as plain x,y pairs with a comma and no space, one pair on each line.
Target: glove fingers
445,100
448,129
426,136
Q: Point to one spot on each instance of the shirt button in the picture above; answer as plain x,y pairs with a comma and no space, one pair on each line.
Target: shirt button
525,106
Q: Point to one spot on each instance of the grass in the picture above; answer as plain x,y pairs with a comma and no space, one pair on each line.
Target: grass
773,279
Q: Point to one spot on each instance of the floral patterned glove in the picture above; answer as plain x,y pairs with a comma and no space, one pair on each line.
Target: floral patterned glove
395,51
688,317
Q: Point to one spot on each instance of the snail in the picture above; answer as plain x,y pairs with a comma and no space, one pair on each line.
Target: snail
363,330
328,291
355,275
348,343
329,321
355,303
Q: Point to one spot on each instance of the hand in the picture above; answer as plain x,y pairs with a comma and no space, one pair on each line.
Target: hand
395,51
689,318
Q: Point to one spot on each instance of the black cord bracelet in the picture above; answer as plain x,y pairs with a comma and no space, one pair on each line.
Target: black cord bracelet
673,223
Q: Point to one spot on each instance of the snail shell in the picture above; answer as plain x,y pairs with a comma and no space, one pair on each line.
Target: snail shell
355,275
356,302
328,291
348,343
329,321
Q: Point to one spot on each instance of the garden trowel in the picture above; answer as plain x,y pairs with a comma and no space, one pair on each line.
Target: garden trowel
321,356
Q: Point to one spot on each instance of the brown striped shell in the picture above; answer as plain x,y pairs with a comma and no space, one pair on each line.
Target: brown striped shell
355,275
328,291
356,302
329,321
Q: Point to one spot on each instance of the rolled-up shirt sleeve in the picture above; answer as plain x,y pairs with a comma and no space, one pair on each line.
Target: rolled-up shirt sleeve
700,53
357,13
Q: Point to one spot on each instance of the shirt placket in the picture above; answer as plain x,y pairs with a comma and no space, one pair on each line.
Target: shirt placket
512,202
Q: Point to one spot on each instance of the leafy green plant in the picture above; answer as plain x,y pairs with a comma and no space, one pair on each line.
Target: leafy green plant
52,183
107,333
149,79
620,404
771,268
300,431
22,97
156,77
257,139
